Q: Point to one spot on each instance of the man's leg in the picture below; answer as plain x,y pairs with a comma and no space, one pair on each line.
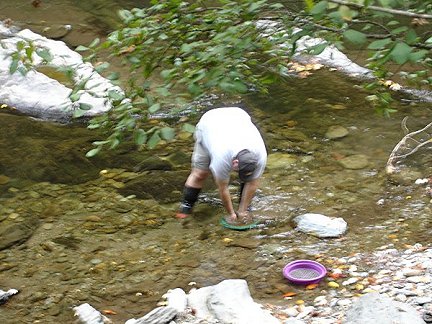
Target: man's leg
195,181
191,190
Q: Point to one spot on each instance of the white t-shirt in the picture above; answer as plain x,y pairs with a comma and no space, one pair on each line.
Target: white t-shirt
224,132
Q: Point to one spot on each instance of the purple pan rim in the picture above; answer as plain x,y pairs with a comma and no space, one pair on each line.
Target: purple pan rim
308,263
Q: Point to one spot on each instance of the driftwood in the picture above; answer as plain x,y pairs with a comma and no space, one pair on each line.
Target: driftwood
409,144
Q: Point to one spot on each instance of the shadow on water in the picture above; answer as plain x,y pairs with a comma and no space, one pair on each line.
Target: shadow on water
109,238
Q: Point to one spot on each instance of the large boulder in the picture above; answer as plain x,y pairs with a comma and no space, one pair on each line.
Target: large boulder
377,308
39,93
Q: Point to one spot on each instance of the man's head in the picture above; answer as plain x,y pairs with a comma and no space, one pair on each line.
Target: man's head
247,163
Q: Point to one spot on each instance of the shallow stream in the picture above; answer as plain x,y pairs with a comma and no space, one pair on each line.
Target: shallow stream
102,231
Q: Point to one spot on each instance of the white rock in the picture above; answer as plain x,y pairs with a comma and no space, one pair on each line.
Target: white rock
89,315
320,225
40,96
176,299
291,311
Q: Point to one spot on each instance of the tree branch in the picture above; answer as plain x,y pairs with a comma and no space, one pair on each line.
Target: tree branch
388,10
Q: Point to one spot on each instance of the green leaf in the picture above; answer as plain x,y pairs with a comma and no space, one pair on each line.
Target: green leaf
115,95
140,136
418,56
45,54
411,37
81,48
94,43
167,133
346,13
188,128
154,140
93,152
399,30
155,107
13,66
355,37
400,53
309,5
379,44
319,8
78,113
84,106
317,49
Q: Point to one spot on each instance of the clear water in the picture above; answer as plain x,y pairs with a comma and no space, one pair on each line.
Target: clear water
121,251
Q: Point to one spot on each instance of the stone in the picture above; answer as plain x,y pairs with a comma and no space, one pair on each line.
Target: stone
229,302
41,95
377,308
89,315
355,162
159,315
335,132
320,225
280,161
176,299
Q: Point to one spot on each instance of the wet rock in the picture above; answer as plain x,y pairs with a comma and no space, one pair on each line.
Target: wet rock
335,132
246,243
159,185
355,162
56,31
280,161
377,308
12,234
405,176
320,225
154,163
4,179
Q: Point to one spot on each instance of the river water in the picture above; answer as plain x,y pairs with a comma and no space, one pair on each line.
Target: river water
102,231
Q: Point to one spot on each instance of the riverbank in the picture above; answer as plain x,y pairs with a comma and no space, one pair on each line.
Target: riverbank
388,286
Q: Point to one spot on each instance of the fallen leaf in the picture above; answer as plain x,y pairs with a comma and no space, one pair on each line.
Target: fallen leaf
312,286
336,275
109,312
289,294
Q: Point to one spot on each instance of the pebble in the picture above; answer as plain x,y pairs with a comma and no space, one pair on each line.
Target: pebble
401,275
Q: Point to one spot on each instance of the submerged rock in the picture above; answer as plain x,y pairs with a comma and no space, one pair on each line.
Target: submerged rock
355,162
336,131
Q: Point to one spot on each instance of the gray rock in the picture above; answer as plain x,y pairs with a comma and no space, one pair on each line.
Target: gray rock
376,308
335,132
12,234
355,162
160,315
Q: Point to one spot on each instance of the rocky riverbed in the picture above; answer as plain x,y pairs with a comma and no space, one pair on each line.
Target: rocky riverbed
386,286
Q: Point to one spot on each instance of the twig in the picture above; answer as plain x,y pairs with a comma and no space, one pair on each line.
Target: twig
388,10
403,145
